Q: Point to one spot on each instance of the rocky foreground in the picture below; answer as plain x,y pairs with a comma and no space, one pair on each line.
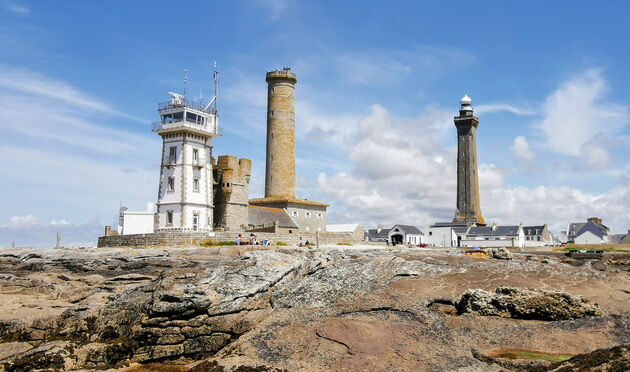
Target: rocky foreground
223,309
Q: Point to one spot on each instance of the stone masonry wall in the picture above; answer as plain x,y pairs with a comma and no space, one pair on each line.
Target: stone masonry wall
179,238
232,191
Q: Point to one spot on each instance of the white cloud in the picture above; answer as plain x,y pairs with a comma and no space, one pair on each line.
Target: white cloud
15,7
59,223
384,67
275,7
22,221
503,107
521,150
576,114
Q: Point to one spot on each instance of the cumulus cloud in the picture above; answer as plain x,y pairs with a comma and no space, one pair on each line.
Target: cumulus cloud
521,151
22,221
577,114
402,174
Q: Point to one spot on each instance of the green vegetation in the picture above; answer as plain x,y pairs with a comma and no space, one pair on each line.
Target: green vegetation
343,243
526,354
212,243
282,244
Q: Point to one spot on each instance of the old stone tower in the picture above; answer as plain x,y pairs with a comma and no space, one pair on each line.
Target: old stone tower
468,205
280,167
231,192
280,170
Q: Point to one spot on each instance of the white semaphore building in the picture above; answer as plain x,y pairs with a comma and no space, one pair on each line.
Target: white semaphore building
185,194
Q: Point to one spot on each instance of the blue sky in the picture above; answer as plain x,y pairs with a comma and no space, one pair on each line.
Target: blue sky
378,85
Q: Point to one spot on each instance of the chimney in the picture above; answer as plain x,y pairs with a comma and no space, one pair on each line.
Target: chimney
494,226
378,229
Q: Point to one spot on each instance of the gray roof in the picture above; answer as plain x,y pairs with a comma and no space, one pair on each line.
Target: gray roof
460,230
498,231
373,234
596,229
267,215
617,238
409,229
450,224
531,230
574,228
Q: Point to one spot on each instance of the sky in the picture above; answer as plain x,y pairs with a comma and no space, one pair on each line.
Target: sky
378,86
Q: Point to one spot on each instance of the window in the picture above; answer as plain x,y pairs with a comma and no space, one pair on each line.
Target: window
319,215
172,155
539,238
195,156
196,184
295,214
171,184
308,214
430,233
169,217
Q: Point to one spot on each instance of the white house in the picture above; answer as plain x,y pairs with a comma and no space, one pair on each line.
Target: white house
494,236
140,222
591,232
405,234
445,234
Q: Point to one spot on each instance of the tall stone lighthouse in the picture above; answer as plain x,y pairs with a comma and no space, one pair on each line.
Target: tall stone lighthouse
468,205
280,168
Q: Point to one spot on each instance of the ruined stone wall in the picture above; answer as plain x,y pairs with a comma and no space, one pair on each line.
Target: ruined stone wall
231,196
280,166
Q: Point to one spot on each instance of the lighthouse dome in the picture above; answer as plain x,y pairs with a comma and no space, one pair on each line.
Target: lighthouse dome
466,100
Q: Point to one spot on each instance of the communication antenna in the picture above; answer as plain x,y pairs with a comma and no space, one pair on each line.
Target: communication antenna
185,81
216,91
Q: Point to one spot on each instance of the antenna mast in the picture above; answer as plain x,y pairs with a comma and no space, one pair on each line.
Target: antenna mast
185,81
216,89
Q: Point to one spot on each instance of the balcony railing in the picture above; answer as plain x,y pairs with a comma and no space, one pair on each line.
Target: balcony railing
194,104
208,128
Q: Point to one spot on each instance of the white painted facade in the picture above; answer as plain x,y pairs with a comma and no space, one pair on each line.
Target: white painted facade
185,194
516,240
408,237
443,236
588,237
136,222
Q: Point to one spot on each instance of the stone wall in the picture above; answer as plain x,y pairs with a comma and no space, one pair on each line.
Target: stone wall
231,195
164,238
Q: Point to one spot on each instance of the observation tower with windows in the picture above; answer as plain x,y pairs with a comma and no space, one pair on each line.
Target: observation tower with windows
185,194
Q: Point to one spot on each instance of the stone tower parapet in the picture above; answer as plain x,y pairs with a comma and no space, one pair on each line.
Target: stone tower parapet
468,204
280,167
231,197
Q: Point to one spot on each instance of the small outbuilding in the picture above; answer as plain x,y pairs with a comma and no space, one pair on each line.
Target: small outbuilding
405,234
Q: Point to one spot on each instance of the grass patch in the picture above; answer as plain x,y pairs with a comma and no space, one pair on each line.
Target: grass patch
526,354
213,243
343,243
281,244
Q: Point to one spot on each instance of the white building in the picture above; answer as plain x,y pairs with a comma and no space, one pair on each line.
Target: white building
591,232
445,234
138,222
405,234
346,228
494,236
185,194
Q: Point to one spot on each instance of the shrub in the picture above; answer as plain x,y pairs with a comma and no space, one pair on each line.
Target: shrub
343,243
212,243
281,243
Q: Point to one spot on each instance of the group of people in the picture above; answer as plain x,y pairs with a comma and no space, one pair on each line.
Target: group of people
252,240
